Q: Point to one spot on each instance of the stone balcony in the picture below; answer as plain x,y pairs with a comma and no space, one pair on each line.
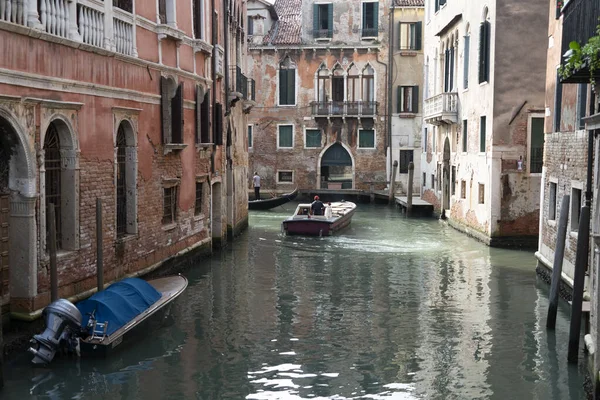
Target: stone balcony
441,109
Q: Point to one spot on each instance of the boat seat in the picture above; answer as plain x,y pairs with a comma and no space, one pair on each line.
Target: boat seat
100,329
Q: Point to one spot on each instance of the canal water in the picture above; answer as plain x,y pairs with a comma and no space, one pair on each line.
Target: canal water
392,308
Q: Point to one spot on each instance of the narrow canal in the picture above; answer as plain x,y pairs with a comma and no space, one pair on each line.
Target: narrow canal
392,308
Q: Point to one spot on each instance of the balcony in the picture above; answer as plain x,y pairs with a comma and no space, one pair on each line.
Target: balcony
441,109
580,18
352,109
240,85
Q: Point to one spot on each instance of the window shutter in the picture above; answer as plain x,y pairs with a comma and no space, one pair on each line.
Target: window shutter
205,119
250,26
399,35
315,20
487,50
364,16
218,135
451,71
165,109
329,20
199,100
484,41
442,2
415,99
418,40
399,99
446,69
291,86
283,86
375,18
466,66
177,114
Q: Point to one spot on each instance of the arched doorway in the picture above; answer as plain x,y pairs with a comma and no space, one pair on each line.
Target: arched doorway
216,215
336,168
18,228
446,175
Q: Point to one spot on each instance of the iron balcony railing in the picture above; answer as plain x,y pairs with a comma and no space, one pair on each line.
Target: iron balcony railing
240,83
580,19
344,108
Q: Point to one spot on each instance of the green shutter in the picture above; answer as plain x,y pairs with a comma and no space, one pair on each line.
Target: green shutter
364,17
330,20
466,62
376,18
177,115
291,86
285,136
418,35
399,99
482,122
315,20
283,86
399,35
415,99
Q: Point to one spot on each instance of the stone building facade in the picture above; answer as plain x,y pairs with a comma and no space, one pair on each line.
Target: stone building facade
483,115
123,102
321,73
406,91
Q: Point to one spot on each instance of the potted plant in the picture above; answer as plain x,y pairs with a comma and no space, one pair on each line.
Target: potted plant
579,57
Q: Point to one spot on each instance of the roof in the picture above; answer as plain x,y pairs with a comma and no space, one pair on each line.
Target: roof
410,3
287,28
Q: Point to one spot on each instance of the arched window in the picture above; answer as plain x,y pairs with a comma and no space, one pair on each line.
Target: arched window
52,164
485,32
287,82
121,182
323,84
368,79
353,86
126,180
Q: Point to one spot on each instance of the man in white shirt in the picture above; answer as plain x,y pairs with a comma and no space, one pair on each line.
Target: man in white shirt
256,183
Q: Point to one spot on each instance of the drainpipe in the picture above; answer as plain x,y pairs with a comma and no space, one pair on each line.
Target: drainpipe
226,45
390,82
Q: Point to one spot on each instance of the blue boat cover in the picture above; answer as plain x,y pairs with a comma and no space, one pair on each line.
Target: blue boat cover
119,303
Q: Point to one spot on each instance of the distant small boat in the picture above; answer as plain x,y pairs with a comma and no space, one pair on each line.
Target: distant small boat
337,216
95,326
267,204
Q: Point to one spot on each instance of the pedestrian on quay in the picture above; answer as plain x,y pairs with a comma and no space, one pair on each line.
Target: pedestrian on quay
256,183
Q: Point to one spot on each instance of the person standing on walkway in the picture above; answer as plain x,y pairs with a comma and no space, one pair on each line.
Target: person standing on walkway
256,183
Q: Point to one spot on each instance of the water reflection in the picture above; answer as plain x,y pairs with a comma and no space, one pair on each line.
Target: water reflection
390,309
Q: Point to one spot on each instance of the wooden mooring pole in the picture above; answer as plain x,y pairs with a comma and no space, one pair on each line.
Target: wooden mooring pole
409,191
559,254
99,254
52,251
392,193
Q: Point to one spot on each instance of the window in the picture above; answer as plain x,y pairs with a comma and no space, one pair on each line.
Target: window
453,181
172,111
439,4
52,164
250,129
285,176
353,84
536,147
425,140
465,132
287,83
370,19
198,18
409,35
408,99
199,198
449,57
466,61
552,201
433,135
481,193
218,125
368,90
121,183
463,189
557,104
432,181
285,138
482,122
166,11
575,208
202,115
125,5
366,139
406,157
169,205
250,26
582,90
424,179
313,138
484,51
322,20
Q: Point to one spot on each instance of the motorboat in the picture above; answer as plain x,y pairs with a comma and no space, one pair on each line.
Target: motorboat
336,216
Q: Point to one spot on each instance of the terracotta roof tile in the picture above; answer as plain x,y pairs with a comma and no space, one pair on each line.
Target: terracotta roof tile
410,3
288,28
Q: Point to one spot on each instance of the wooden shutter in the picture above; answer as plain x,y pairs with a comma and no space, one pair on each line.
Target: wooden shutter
177,114
451,70
399,35
205,119
199,100
250,26
376,18
399,99
291,86
446,68
364,17
418,35
329,20
484,51
415,99
218,135
316,20
165,109
283,86
466,62
488,35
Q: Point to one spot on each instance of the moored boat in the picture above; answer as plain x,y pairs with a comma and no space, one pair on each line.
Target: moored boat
267,204
97,325
337,215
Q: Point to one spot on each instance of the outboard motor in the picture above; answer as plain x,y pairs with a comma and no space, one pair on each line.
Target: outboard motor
63,324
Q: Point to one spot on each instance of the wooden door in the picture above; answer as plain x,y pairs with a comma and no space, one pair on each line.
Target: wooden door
4,268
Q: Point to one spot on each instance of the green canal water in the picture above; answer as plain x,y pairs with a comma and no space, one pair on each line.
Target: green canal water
391,308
